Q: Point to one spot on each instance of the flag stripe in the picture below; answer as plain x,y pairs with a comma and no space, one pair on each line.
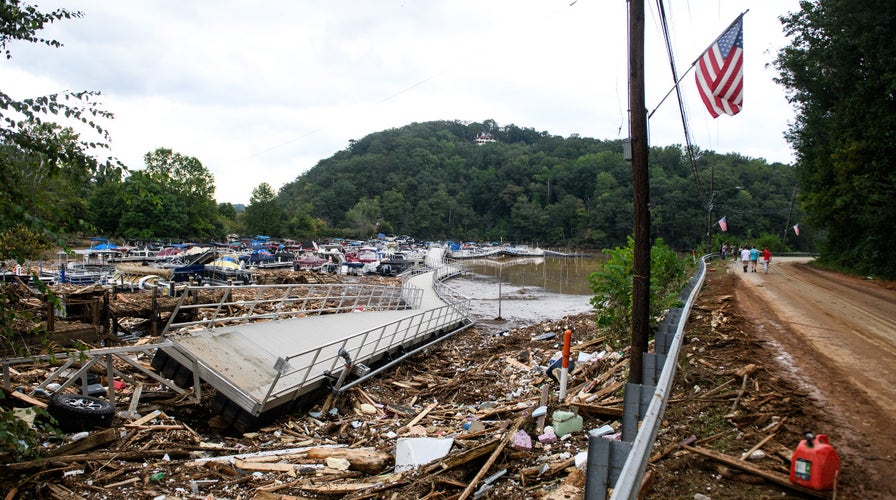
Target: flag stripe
719,74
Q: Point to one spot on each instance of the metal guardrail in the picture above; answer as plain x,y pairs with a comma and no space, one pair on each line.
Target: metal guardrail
287,301
604,456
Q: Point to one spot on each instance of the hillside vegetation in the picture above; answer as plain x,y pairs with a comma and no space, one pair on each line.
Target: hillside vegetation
432,180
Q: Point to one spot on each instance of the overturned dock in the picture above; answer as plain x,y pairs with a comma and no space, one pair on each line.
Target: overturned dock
287,341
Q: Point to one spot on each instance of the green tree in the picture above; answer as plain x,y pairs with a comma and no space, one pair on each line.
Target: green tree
364,218
37,152
170,198
42,167
612,287
432,181
193,187
262,215
840,74
229,218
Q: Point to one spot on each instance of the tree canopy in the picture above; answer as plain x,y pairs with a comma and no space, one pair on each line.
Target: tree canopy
171,198
262,215
42,157
431,180
840,74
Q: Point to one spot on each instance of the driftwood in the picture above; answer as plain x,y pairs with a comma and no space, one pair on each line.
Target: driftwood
88,443
364,460
128,456
774,428
463,457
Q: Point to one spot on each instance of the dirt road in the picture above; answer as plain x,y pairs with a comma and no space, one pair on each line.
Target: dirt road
835,335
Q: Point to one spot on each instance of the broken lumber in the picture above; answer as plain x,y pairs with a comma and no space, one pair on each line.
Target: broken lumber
24,398
127,456
495,454
420,415
462,457
88,443
779,479
602,410
265,466
346,488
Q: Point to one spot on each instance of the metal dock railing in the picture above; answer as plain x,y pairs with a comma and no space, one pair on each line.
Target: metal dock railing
262,347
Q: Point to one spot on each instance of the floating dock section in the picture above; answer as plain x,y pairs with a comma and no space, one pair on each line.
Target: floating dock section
264,347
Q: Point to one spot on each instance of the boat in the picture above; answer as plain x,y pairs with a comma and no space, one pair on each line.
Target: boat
308,261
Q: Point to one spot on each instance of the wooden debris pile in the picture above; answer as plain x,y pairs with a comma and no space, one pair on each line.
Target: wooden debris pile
478,390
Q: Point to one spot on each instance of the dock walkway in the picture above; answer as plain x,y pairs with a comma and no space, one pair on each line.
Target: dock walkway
259,366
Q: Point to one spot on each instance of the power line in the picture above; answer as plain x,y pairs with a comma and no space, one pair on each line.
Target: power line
664,23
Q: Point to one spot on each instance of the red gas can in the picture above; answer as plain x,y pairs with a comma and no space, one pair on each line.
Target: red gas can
815,464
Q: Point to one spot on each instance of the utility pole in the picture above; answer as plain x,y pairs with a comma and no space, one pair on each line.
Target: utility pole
787,224
709,207
641,191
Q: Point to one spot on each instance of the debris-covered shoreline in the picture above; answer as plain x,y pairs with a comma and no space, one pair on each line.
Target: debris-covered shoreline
477,389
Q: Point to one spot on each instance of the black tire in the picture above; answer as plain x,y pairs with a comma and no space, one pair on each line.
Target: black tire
183,377
75,413
160,360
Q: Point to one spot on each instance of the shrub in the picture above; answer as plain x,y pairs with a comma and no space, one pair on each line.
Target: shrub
612,287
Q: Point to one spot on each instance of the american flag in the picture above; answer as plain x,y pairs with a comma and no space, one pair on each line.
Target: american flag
723,223
796,229
720,72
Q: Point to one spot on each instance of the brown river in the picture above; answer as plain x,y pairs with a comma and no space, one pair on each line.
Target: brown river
527,290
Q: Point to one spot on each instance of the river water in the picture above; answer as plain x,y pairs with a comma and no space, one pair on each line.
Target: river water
516,292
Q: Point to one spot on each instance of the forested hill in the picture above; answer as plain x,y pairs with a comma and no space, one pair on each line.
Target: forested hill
432,180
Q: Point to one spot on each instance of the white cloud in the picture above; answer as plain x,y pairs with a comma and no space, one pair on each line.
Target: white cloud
260,93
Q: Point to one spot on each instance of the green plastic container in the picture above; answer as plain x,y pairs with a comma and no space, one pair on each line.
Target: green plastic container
566,422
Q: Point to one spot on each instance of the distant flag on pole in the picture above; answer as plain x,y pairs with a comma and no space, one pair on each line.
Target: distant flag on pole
796,229
723,223
720,72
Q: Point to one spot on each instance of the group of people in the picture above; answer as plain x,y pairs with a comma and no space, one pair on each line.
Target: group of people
750,257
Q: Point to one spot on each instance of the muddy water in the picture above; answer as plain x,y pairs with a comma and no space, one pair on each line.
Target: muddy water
516,292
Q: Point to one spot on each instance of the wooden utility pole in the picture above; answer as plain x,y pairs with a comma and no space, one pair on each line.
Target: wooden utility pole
787,224
641,190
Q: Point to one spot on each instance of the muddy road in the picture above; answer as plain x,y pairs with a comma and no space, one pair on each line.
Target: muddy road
836,336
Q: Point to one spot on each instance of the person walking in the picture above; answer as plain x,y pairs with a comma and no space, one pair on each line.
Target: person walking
766,259
745,257
754,258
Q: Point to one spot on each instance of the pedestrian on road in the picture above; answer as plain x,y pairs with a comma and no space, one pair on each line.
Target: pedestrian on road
754,258
745,257
724,251
766,259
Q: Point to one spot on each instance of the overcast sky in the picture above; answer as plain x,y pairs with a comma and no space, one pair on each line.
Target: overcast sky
260,92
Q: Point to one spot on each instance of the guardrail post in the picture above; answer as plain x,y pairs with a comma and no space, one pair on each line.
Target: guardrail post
635,401
605,460
652,367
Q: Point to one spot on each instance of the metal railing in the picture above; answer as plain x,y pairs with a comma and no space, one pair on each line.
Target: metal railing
320,363
242,304
75,365
311,367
